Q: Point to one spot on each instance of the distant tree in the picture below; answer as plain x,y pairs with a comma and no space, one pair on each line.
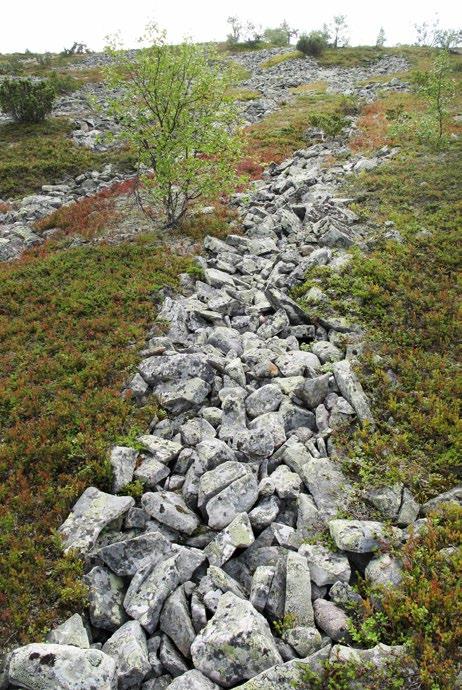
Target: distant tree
380,42
277,37
174,108
437,89
254,34
433,36
236,29
339,31
289,32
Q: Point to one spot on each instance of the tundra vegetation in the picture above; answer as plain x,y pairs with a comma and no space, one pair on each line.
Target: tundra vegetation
72,321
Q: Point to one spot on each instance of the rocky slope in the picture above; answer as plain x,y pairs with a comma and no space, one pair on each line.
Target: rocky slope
221,575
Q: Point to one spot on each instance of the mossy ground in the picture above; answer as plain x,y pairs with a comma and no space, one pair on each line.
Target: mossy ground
32,155
71,325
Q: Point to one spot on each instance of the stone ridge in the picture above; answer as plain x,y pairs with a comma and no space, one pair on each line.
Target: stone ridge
218,577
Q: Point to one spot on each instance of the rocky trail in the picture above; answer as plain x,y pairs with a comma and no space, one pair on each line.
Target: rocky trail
221,575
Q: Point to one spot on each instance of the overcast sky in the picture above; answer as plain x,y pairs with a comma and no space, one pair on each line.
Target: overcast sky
42,25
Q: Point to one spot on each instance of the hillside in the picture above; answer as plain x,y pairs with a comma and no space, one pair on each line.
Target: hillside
230,451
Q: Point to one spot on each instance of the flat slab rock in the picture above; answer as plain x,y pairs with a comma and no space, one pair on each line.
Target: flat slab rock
289,675
61,667
90,515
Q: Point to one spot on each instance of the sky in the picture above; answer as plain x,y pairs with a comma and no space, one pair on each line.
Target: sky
51,25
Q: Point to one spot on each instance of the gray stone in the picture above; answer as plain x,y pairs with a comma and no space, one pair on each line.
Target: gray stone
123,464
171,510
352,390
289,675
151,472
61,667
148,591
90,515
326,483
237,535
331,619
298,590
286,483
326,567
128,648
161,449
226,340
309,519
224,582
171,659
71,632
362,536
125,558
273,424
261,585
298,363
196,430
238,626
343,594
192,680
105,597
305,640
314,391
264,399
453,496
213,452
264,513
384,570
176,622
177,367
236,498
184,395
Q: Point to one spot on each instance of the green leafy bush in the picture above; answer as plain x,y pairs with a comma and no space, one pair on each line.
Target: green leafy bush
312,44
26,100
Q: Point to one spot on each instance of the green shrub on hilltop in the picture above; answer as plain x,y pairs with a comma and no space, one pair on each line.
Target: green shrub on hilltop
312,44
27,100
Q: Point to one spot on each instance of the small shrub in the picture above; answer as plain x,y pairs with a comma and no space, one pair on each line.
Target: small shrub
331,123
312,44
63,83
26,100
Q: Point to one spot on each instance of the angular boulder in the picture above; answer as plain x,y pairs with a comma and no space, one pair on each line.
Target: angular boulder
235,645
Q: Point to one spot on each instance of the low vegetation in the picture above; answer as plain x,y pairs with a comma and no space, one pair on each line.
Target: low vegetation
279,58
71,325
405,294
26,100
32,155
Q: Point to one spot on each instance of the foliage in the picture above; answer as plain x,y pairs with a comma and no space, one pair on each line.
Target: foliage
236,27
281,57
312,44
406,295
336,33
331,123
71,325
32,155
342,675
63,83
26,100
175,111
437,90
276,37
431,34
380,42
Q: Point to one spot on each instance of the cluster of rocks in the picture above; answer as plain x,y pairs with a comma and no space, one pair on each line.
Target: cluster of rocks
218,577
18,221
275,84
